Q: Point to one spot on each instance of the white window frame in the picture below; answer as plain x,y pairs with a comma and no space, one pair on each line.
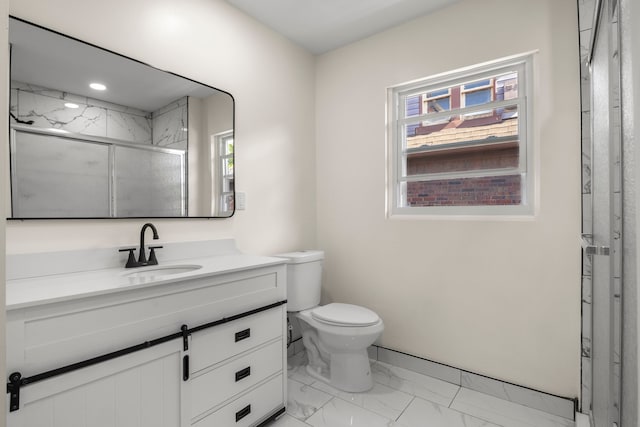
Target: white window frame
220,180
396,174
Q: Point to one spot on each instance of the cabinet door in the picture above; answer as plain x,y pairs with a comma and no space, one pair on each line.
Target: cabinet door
142,389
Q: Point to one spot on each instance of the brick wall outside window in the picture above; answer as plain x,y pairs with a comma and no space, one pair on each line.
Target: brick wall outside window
499,190
496,190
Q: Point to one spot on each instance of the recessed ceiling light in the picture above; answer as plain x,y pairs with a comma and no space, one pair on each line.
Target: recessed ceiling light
71,105
97,86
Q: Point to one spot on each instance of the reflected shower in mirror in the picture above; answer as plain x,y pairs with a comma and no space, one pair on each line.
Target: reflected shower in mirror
95,134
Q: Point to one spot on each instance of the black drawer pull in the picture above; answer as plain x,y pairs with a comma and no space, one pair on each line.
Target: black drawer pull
242,335
185,368
243,412
243,373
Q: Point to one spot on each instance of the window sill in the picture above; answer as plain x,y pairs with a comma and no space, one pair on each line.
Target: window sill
513,213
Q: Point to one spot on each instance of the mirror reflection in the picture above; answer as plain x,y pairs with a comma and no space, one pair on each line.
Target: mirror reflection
98,135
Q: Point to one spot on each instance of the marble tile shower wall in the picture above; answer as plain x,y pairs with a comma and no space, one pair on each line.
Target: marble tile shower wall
586,9
92,117
169,125
616,253
166,127
585,15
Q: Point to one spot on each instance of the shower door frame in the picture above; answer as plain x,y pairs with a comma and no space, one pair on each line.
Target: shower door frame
605,238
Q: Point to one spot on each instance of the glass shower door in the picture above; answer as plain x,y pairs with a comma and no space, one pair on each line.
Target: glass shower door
604,248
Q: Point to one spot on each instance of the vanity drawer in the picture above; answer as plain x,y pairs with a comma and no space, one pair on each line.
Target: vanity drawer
217,385
213,345
250,408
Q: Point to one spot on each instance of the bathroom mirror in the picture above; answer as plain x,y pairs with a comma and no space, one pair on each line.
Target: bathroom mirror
95,134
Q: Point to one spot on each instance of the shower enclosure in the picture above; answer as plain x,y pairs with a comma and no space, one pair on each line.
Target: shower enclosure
609,360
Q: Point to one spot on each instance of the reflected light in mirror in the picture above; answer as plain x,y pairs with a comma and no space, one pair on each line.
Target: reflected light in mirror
97,86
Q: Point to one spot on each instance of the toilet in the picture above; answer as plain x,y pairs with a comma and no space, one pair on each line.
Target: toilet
336,336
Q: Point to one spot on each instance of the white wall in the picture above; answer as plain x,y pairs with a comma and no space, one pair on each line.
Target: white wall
500,298
272,81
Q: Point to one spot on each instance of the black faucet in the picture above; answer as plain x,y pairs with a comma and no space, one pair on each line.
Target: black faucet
142,258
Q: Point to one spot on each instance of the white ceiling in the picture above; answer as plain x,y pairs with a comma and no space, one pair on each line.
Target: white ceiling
322,25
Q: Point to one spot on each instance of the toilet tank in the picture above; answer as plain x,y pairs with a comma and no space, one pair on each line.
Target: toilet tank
304,279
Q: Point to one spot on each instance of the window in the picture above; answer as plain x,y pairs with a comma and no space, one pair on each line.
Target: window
438,101
477,93
459,142
223,178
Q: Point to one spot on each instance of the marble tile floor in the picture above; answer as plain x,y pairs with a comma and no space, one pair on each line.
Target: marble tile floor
401,398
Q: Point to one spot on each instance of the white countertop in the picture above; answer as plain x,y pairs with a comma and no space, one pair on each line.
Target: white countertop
33,291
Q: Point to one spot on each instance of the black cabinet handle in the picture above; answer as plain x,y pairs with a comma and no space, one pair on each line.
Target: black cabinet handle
243,373
242,335
185,368
243,412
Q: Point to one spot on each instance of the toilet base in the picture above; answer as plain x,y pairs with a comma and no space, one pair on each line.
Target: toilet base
337,355
349,372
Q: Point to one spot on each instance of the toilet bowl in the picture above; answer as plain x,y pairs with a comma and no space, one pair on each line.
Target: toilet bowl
337,345
335,336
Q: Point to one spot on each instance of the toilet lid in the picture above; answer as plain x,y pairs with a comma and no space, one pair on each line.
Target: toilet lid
345,315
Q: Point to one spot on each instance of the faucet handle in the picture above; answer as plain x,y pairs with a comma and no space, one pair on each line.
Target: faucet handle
131,261
152,255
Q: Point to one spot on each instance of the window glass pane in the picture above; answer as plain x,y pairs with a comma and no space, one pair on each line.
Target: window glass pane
228,145
491,190
411,130
479,83
437,93
412,106
426,127
464,143
228,166
227,202
507,86
478,97
440,104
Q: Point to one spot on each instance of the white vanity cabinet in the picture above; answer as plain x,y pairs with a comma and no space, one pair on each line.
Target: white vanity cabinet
141,389
229,370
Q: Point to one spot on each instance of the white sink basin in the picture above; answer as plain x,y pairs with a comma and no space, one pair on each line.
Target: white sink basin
161,271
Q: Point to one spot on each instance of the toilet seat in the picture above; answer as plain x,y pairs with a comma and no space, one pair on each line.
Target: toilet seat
338,314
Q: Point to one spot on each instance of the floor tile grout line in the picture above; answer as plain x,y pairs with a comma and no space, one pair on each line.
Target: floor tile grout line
324,404
365,408
473,416
454,397
406,407
411,381
316,411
